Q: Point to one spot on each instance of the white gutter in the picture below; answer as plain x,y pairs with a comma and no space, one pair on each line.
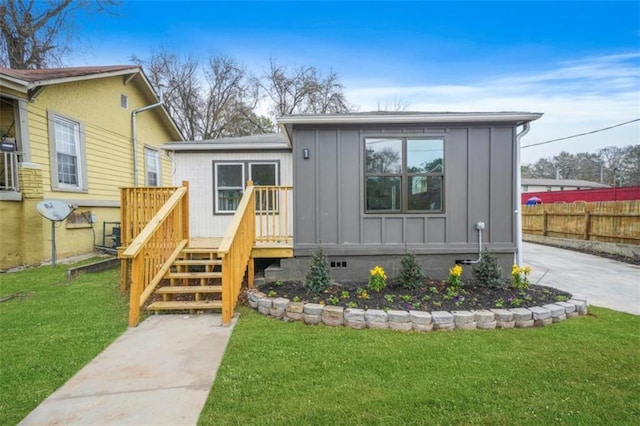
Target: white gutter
134,133
225,147
452,117
518,201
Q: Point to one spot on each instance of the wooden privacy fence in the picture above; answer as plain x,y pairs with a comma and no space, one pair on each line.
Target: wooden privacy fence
156,245
607,221
235,252
274,214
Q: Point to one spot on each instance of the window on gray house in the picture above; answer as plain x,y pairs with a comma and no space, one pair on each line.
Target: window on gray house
404,175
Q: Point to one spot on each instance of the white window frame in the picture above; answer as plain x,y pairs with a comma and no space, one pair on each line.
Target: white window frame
152,166
81,184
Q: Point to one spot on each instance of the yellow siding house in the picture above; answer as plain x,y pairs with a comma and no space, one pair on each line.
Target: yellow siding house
75,135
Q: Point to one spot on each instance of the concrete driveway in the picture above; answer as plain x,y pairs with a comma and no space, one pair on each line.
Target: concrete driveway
605,282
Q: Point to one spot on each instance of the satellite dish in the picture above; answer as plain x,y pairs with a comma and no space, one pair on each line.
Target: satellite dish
54,210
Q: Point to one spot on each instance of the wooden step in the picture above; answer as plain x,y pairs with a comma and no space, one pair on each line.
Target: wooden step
199,250
193,275
197,262
189,289
185,305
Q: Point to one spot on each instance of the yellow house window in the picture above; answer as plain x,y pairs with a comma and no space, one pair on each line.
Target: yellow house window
152,167
67,153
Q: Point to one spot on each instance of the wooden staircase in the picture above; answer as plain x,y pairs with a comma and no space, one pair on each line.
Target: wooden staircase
192,283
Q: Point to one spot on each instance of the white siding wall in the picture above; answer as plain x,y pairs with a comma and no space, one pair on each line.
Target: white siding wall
197,169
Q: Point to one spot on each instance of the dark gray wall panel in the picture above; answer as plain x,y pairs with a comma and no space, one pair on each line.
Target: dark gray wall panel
502,184
456,178
393,230
478,180
349,186
436,230
372,228
304,188
415,230
327,186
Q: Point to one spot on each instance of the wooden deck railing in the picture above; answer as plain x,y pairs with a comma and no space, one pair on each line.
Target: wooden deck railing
274,214
235,252
158,243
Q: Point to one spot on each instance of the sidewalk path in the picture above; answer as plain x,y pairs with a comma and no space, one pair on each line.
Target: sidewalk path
605,282
158,373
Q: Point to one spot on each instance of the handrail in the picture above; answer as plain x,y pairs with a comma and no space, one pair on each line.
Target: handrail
274,214
9,180
235,252
146,234
156,246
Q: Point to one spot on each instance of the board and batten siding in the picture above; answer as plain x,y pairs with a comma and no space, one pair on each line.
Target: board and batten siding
479,186
197,169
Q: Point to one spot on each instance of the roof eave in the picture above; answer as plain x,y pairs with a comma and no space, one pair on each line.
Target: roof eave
516,117
185,146
47,82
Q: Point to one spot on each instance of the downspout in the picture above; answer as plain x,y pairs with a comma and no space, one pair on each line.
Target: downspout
134,133
518,200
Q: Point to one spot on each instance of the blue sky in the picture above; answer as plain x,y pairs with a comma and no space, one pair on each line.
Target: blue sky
577,62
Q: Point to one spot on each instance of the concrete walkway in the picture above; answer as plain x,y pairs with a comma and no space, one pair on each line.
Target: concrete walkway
605,282
158,373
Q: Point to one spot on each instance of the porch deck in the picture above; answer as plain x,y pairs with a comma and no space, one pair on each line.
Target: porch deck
261,249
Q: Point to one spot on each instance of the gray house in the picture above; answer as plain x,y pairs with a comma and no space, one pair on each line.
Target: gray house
369,185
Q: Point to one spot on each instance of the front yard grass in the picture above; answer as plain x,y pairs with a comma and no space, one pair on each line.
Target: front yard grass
581,371
51,329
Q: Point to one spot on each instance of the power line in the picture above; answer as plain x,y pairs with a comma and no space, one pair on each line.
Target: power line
581,134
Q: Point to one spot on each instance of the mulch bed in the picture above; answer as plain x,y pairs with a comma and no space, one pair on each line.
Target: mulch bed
433,296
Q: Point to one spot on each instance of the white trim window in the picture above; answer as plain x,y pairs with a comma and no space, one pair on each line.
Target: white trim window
68,161
151,167
230,180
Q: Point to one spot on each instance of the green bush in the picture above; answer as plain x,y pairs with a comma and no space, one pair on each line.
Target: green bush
411,273
488,272
318,279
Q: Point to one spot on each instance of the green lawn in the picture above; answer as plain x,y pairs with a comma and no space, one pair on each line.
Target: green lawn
581,371
51,331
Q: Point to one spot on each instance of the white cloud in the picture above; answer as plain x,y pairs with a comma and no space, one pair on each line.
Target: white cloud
575,97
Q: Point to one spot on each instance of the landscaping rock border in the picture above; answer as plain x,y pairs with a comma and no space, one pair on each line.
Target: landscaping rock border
337,316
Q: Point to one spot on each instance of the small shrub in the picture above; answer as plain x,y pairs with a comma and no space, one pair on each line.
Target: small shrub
272,293
488,272
334,300
377,279
433,290
561,298
389,298
344,294
411,273
499,303
352,305
318,279
295,299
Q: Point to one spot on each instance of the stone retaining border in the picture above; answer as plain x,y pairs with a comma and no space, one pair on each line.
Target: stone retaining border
336,316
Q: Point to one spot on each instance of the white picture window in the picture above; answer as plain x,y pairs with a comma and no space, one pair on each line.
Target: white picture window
68,162
152,167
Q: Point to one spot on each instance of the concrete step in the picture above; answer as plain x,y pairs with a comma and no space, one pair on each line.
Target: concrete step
190,289
185,305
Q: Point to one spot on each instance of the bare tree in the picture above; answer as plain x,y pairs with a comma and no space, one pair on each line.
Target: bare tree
37,34
302,90
208,103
